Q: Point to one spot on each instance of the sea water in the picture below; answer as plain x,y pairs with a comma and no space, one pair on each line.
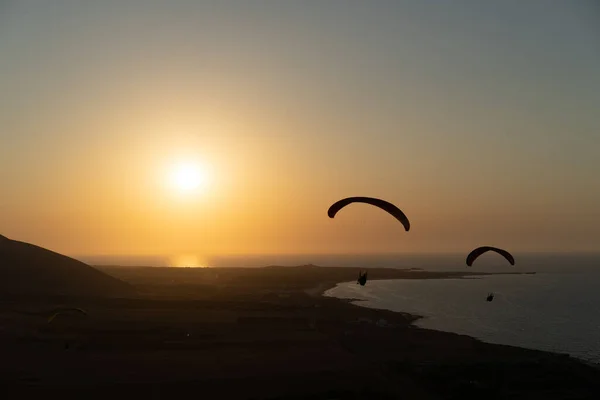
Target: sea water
543,262
554,311
557,309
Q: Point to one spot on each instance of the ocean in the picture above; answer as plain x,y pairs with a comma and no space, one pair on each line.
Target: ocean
545,262
556,309
552,311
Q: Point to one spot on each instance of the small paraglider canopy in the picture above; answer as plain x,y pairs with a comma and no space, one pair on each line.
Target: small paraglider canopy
67,310
384,205
362,278
480,250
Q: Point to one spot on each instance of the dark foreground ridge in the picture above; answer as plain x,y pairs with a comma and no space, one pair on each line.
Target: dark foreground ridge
263,333
26,269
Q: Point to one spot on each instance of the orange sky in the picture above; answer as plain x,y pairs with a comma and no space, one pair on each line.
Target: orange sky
476,130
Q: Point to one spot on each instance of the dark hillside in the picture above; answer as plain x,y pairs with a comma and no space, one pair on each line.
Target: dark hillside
26,269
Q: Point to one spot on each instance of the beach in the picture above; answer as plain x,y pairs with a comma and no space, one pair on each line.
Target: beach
545,311
261,333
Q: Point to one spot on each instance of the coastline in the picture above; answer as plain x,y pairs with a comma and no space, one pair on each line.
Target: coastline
263,333
284,283
413,318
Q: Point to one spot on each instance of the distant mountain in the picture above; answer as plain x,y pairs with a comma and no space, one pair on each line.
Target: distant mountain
32,270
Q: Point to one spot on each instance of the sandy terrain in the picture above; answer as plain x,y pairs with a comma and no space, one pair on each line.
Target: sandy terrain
259,333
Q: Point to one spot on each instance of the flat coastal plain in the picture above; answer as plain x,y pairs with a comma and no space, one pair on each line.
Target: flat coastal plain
260,333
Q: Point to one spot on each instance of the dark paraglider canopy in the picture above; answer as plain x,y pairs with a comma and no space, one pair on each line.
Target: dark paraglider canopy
67,310
362,278
384,205
480,250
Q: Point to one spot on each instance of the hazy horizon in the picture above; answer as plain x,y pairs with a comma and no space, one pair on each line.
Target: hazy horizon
478,119
525,262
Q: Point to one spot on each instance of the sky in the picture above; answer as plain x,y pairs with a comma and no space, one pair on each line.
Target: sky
479,119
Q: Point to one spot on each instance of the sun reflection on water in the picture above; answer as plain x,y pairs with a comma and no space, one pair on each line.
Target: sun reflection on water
188,261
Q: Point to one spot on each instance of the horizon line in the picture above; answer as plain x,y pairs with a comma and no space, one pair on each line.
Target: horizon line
252,255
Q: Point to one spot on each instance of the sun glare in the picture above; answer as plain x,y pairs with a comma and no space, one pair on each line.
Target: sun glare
187,261
187,177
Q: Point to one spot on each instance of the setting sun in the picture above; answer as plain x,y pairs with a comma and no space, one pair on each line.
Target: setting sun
187,176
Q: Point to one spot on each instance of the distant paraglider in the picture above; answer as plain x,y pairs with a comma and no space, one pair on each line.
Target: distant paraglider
362,278
70,311
480,250
384,205
483,249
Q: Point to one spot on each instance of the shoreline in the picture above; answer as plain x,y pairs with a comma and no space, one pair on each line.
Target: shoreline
413,318
316,286
319,285
264,333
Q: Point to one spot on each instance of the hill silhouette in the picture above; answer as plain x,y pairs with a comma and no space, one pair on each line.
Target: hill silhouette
26,269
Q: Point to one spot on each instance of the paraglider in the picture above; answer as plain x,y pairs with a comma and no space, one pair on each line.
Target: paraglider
67,311
362,278
384,205
483,249
480,250
71,311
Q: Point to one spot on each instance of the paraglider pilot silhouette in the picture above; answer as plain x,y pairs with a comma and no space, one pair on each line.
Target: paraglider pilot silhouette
362,278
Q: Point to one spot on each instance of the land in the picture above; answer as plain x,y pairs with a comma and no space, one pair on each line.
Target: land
265,333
